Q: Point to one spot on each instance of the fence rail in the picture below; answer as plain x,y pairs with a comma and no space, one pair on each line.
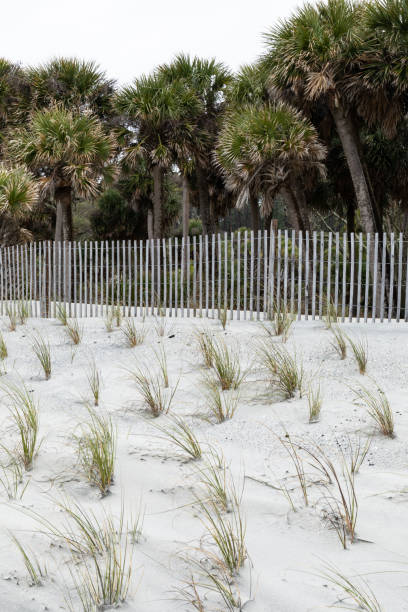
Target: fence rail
362,276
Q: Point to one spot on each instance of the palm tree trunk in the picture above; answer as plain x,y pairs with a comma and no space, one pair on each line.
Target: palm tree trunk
157,201
150,233
63,223
345,130
301,204
291,208
186,207
255,217
204,200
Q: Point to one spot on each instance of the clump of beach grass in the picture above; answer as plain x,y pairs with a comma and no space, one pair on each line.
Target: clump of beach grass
97,450
24,412
133,335
205,343
226,366
61,314
330,315
223,317
285,371
339,341
156,398
23,312
74,331
42,351
279,322
11,312
378,407
360,352
35,570
221,404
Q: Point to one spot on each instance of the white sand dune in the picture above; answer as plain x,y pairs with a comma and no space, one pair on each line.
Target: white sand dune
286,549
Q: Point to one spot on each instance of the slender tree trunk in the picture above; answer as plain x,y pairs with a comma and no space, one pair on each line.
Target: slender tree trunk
63,223
150,233
204,199
186,206
157,201
291,208
255,216
345,130
301,205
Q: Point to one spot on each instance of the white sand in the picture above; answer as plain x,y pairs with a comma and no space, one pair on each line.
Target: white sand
286,548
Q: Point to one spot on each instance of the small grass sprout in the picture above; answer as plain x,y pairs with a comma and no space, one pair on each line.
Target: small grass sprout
61,314
205,343
314,402
42,351
360,352
378,407
23,311
161,358
226,366
11,312
280,321
155,397
94,381
133,335
330,316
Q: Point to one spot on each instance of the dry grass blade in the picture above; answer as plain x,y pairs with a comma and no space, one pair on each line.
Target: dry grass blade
378,407
360,352
339,341
132,334
42,351
97,450
74,331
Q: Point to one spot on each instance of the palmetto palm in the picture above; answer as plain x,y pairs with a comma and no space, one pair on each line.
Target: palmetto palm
18,194
74,83
71,153
208,79
265,149
160,117
312,54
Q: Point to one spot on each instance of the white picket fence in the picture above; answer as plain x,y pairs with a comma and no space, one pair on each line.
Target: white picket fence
363,276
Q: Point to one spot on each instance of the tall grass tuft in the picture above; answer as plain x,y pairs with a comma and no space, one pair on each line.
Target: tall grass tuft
227,533
161,357
155,397
24,412
132,334
330,316
226,366
360,352
42,351
97,450
94,380
285,372
12,478
3,348
74,331
339,341
378,407
205,343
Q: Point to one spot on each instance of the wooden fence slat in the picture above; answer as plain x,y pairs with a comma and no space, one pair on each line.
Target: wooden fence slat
314,262
232,277
360,266
391,287
251,278
285,270
321,275
367,278
300,276
182,267
351,277
238,275
258,276
153,276
328,280
213,275
375,277
278,269
195,276
200,273
225,305
171,277
164,249
383,271
292,272
245,272
306,275
336,273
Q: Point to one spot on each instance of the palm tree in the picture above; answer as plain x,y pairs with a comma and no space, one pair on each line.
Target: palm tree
208,79
311,55
70,152
267,149
18,195
159,116
74,83
14,96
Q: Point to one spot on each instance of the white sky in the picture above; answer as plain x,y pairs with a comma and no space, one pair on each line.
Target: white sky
129,37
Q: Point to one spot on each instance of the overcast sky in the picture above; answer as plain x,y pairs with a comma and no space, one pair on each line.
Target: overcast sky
129,37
